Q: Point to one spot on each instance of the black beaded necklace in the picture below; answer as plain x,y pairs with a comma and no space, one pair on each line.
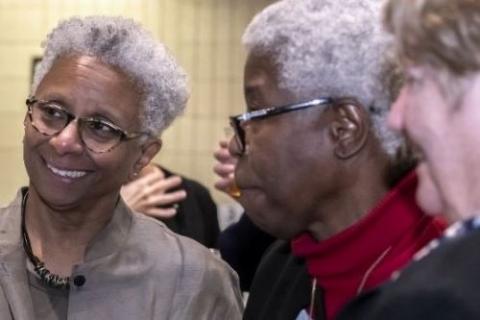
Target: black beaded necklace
48,278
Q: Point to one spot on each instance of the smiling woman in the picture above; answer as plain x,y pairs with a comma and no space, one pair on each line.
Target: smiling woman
102,94
86,87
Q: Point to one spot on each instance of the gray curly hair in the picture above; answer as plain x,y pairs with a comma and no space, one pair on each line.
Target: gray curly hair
125,44
331,47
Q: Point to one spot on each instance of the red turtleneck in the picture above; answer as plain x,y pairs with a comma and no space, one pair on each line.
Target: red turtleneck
368,252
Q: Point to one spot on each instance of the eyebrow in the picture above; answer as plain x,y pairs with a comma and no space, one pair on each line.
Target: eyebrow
60,100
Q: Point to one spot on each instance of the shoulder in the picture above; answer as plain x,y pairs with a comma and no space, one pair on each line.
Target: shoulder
281,286
457,258
423,302
13,208
278,269
279,256
154,235
452,267
442,285
10,213
10,220
204,284
190,256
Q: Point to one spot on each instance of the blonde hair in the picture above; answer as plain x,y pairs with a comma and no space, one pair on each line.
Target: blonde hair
441,34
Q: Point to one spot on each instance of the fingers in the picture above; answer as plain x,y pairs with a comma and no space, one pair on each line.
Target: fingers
225,173
223,143
224,185
224,170
149,178
132,193
165,199
162,185
150,191
222,154
161,213
152,205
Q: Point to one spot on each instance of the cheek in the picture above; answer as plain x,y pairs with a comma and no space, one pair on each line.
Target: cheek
264,149
32,143
117,164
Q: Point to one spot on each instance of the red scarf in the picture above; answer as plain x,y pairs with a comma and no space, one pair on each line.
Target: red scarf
368,252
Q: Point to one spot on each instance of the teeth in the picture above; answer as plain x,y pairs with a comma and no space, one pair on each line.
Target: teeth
67,173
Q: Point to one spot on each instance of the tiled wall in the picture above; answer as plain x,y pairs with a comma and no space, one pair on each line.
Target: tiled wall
204,35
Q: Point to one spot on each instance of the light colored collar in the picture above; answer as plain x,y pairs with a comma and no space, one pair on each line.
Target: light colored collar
109,240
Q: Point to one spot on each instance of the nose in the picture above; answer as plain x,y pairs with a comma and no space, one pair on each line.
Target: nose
68,140
395,118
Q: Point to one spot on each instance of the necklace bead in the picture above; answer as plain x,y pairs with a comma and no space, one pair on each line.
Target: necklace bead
48,278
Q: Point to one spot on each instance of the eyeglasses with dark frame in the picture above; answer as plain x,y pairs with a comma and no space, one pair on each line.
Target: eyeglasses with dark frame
238,121
99,136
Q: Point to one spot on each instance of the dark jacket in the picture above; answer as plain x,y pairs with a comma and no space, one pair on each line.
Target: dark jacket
283,288
444,285
242,245
196,216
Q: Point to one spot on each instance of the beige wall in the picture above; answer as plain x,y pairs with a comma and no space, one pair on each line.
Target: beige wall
203,34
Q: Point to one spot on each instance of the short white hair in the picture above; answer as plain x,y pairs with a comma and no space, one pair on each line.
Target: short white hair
125,44
333,48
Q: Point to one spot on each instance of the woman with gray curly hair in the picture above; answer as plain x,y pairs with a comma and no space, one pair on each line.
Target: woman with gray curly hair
71,248
317,166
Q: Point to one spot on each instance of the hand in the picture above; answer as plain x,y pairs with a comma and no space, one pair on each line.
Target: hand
150,191
225,170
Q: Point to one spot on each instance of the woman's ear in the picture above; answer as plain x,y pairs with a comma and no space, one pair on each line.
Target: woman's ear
149,150
349,129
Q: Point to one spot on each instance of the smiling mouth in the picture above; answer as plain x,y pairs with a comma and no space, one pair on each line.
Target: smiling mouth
73,174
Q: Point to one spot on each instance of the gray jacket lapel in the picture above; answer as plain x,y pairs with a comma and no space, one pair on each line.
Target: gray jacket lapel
15,286
15,297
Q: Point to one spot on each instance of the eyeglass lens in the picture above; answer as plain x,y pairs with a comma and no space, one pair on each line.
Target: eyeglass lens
50,119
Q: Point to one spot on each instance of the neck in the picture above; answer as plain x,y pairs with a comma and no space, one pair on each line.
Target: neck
60,237
367,254
365,187
353,207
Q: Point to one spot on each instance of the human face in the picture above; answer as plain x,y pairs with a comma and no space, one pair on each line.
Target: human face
447,132
280,172
62,171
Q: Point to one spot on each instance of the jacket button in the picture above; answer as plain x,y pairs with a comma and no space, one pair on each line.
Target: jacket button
79,280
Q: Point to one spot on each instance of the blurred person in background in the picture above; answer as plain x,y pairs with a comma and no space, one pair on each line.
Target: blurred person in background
184,205
70,248
316,164
438,42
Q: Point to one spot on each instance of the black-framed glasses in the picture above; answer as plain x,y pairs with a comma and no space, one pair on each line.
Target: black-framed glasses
237,122
98,135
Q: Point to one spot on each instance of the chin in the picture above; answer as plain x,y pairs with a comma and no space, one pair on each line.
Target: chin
58,201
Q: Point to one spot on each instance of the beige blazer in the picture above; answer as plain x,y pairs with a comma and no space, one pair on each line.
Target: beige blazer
134,269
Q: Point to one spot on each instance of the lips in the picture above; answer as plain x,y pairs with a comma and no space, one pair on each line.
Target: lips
65,173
